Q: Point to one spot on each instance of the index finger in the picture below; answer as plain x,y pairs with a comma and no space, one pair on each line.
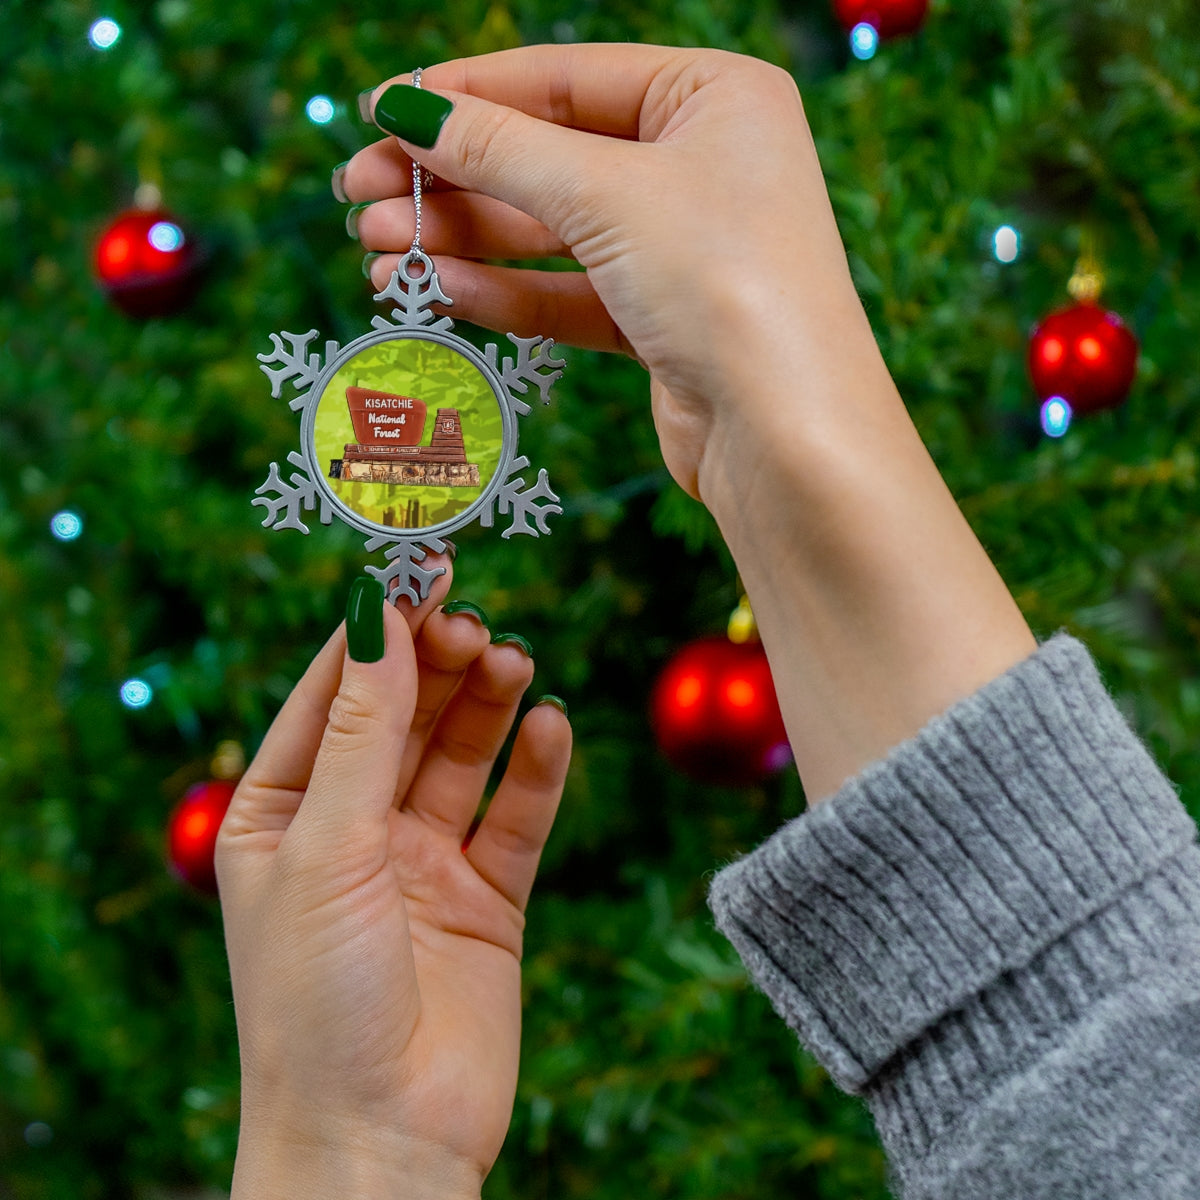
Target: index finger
526,121
598,88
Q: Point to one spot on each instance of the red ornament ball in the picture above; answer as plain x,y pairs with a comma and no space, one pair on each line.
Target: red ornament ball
889,18
1085,355
715,714
146,263
192,833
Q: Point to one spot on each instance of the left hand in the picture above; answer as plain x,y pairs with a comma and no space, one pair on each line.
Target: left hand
376,961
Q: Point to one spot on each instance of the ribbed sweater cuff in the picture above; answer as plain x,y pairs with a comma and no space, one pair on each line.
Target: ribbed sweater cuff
1009,820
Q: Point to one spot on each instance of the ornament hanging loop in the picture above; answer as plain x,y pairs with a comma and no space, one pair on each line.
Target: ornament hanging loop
742,626
1087,281
416,257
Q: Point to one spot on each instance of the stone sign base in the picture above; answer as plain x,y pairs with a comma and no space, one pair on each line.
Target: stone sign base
418,474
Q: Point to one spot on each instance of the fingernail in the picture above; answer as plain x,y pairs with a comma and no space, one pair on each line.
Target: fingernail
364,620
465,606
337,181
451,550
557,701
364,105
512,639
368,259
412,113
352,219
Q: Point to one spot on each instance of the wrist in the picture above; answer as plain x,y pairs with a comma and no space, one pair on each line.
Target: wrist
339,1158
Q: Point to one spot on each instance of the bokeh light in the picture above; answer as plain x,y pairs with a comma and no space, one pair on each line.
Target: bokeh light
864,40
38,1134
320,110
136,693
1056,417
66,525
165,236
1006,244
104,33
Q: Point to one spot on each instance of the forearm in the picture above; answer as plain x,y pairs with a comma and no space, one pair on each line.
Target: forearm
878,607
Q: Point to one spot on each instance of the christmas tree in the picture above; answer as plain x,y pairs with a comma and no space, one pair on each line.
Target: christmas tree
151,626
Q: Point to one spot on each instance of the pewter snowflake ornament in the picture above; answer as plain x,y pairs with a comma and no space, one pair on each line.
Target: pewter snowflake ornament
409,432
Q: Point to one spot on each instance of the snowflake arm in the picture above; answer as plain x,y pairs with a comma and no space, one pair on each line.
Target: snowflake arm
403,575
298,365
290,497
413,295
535,364
522,502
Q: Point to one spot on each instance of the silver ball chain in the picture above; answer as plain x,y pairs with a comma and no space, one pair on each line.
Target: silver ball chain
418,171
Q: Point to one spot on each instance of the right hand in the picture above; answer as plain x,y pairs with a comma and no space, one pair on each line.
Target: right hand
687,184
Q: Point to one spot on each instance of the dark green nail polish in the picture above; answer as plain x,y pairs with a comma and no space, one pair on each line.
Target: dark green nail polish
512,639
364,620
465,606
363,103
368,259
352,219
412,113
557,701
337,182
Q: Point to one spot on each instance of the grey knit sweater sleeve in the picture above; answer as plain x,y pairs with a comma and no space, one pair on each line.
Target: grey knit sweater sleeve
993,935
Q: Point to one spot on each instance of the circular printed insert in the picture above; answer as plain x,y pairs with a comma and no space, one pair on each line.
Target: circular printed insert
408,433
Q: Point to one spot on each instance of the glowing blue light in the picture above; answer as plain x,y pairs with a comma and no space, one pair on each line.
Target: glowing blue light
864,40
1006,244
165,236
136,693
66,525
319,110
104,33
1056,417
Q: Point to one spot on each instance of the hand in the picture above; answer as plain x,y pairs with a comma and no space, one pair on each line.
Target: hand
375,962
687,184
684,181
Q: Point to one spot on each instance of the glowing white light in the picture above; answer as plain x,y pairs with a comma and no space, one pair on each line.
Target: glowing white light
1056,417
864,40
66,525
136,693
104,33
147,195
1006,244
319,110
165,236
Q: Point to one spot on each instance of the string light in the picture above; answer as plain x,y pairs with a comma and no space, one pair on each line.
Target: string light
320,110
864,40
104,33
165,236
136,693
1056,417
1006,244
66,525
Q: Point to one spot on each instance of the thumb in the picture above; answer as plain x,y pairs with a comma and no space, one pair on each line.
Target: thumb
354,776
